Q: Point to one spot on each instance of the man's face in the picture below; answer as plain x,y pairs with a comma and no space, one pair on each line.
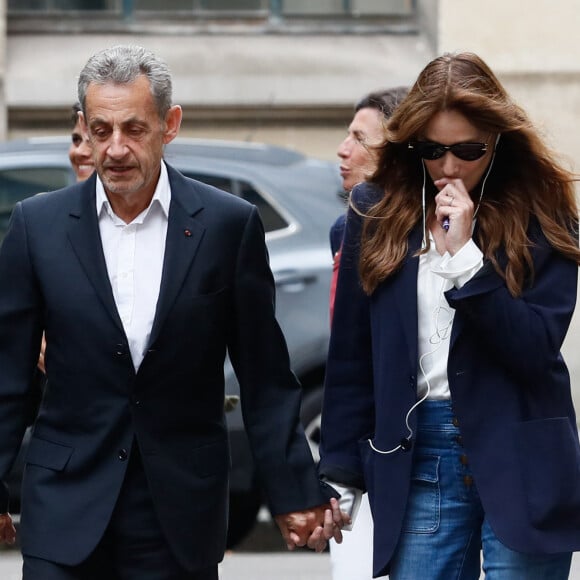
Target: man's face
128,136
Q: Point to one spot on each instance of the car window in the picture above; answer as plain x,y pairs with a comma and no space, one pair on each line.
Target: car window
271,218
19,183
223,183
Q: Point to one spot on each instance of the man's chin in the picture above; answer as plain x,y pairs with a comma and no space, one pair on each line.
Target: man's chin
120,187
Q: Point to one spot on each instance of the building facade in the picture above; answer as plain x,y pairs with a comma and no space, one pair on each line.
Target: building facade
286,71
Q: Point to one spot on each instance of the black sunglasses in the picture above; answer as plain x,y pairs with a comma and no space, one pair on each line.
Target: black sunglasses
431,150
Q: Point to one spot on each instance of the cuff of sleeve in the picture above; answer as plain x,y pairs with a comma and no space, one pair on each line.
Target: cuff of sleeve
349,502
461,267
4,498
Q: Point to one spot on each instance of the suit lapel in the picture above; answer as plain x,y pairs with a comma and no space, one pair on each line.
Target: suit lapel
407,295
184,234
84,235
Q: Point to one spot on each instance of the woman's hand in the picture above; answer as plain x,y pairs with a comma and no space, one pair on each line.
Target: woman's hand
455,209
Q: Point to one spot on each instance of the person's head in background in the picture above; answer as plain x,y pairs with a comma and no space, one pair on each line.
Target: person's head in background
80,151
359,151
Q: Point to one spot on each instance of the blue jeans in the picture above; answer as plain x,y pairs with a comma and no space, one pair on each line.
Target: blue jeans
445,527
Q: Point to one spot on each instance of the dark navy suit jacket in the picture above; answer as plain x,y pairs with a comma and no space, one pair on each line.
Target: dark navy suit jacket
216,293
337,233
509,385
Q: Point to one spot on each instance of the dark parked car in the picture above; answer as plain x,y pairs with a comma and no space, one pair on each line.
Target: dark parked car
298,199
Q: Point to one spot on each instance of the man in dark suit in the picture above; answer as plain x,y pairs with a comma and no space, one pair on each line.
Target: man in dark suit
141,280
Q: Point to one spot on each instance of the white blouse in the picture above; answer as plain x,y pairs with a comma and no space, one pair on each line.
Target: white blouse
437,274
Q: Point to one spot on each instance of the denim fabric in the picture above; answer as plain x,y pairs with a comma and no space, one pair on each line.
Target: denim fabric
445,529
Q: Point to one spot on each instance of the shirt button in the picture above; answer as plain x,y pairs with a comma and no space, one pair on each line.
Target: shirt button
459,440
455,422
122,455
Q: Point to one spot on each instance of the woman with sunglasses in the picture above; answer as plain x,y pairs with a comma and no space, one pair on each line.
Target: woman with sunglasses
446,395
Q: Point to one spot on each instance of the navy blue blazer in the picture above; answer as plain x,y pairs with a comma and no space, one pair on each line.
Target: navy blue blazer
336,233
217,294
509,386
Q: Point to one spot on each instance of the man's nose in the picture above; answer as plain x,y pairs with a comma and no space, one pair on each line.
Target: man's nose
116,147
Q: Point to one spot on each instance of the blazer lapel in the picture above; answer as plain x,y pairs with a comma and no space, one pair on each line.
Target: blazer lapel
184,235
85,238
407,295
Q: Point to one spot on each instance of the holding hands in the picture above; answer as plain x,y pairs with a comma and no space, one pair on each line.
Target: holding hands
313,527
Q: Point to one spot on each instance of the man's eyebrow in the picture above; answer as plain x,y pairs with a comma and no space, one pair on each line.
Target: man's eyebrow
130,121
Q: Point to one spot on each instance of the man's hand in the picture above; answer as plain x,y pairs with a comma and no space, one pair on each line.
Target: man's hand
313,527
41,355
7,530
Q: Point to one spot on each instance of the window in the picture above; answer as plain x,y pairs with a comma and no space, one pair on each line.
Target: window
271,219
201,5
283,12
19,183
59,5
223,183
354,8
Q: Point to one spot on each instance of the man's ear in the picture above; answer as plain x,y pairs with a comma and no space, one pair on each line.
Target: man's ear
172,123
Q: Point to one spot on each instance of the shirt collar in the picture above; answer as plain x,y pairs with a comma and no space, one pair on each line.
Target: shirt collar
161,196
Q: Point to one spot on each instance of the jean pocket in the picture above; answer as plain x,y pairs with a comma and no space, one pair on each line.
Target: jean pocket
423,511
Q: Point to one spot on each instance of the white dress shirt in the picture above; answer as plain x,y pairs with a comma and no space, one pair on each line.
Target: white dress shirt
134,255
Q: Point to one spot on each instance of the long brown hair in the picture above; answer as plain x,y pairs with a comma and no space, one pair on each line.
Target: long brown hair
526,180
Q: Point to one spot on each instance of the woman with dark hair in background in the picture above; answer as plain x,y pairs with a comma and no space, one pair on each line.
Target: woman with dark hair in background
80,152
352,559
359,153
446,395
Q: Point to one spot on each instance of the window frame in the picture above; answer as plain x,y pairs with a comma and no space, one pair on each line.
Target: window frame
272,16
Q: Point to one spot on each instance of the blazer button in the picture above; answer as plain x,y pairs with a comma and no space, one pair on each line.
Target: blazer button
468,480
463,459
122,455
455,422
